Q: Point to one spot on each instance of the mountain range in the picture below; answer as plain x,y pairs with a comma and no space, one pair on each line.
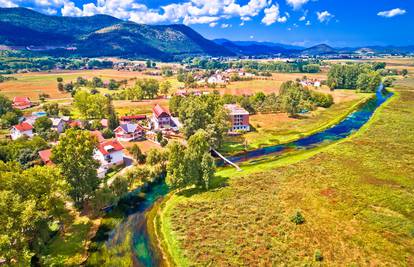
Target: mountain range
103,35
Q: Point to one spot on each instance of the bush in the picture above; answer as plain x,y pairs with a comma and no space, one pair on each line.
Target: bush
318,255
108,133
164,142
298,218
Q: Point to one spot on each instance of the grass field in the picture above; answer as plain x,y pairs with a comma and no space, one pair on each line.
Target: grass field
271,129
356,196
32,84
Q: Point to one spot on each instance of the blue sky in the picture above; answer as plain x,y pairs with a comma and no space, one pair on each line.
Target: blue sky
301,22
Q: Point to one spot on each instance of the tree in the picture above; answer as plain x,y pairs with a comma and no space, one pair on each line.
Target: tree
388,81
134,93
368,82
404,72
207,170
42,124
113,85
165,87
61,87
30,200
378,65
137,154
97,82
9,119
6,105
149,87
192,165
293,97
91,106
148,63
74,155
52,109
176,167
59,79
113,121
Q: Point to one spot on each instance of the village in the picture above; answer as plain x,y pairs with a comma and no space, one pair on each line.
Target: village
111,152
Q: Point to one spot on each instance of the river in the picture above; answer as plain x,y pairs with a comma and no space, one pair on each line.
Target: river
135,222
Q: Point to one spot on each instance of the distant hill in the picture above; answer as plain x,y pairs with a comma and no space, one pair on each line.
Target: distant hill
252,43
251,49
317,50
102,35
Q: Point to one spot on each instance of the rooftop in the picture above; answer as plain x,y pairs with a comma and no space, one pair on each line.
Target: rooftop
235,109
107,147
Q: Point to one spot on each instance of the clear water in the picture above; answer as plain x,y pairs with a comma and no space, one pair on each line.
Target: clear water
135,222
346,127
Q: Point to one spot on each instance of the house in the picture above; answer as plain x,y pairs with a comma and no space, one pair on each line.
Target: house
21,102
58,125
161,118
20,130
217,78
45,156
129,132
109,153
239,118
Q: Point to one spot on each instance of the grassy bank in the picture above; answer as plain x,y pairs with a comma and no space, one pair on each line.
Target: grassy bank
356,197
273,129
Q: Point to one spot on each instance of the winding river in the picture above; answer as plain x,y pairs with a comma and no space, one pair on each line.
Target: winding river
135,223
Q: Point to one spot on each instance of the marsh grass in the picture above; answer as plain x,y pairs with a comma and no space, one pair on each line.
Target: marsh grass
356,196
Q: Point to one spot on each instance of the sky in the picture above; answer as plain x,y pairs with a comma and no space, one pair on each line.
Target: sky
339,23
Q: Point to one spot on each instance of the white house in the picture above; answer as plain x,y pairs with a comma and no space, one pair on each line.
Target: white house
58,124
109,153
20,130
129,132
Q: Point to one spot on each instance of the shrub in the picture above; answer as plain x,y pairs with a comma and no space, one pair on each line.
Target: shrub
318,255
298,218
164,142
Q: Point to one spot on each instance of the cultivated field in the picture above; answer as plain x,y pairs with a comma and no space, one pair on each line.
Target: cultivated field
35,83
356,198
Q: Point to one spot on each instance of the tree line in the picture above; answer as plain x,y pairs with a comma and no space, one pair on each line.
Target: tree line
364,77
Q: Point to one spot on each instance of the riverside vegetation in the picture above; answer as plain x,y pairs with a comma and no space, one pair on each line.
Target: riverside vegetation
354,200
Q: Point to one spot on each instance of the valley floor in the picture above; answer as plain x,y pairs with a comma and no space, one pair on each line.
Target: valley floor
356,196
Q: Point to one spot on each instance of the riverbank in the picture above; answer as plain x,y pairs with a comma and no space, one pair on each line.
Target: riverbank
355,196
292,130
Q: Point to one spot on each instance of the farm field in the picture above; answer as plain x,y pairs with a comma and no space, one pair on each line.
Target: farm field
270,85
271,129
356,198
32,84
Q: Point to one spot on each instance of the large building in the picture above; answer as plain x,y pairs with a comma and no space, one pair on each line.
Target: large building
161,118
239,118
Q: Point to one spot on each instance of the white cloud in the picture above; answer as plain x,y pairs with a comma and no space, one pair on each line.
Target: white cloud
183,11
224,25
69,9
308,23
392,13
324,16
302,18
7,3
296,4
213,24
272,14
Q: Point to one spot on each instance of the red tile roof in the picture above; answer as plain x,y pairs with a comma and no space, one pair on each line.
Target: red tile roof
113,144
158,111
21,99
133,117
24,126
45,155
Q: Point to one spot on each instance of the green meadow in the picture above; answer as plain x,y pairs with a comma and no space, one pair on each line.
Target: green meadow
356,198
